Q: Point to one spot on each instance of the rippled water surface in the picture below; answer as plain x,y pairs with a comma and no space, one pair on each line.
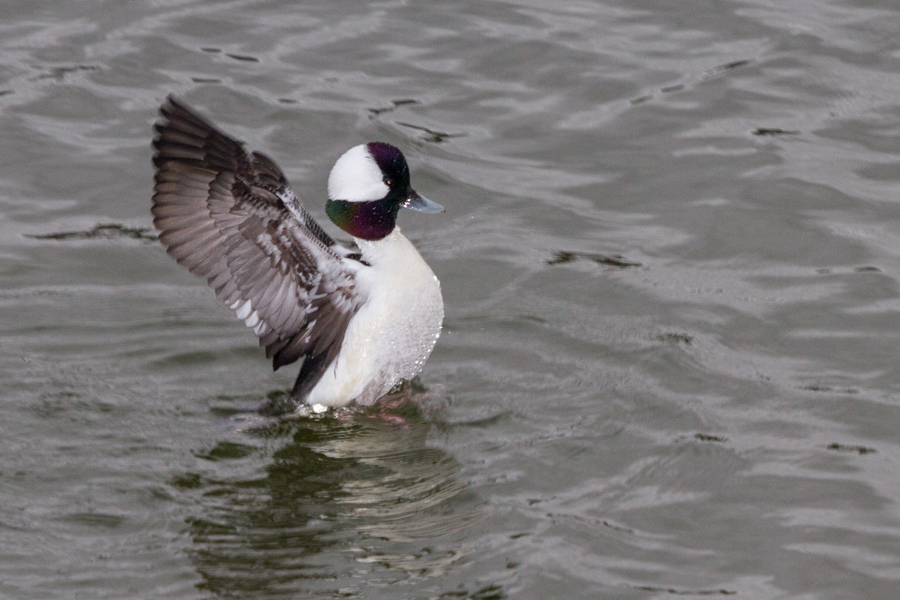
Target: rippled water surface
670,263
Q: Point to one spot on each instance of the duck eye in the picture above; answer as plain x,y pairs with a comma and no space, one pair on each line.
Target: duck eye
388,182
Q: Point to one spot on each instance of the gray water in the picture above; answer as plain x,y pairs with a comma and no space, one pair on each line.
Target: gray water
670,262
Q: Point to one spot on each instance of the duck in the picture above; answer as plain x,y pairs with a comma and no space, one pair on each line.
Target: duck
360,319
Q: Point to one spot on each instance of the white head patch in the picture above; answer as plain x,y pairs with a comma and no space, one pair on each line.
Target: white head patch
356,177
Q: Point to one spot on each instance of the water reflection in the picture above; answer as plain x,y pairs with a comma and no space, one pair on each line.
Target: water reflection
360,495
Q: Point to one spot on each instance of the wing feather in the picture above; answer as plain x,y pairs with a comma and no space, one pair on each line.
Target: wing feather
231,217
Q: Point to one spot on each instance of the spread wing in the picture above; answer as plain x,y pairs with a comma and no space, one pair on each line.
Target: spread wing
230,216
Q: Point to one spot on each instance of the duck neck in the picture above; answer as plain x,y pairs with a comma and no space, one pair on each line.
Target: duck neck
371,221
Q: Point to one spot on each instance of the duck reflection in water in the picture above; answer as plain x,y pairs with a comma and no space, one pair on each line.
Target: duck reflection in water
330,503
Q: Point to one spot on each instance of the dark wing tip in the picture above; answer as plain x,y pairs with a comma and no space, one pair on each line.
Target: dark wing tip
182,135
174,109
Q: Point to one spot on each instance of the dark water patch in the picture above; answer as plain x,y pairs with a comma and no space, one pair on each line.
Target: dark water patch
836,447
679,592
104,231
187,481
432,135
226,451
95,519
394,105
729,66
5,93
845,270
705,437
640,100
211,50
617,261
248,406
190,359
827,389
242,57
490,592
675,338
617,527
206,80
773,131
817,388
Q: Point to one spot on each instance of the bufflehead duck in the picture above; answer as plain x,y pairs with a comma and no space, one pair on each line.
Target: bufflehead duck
361,320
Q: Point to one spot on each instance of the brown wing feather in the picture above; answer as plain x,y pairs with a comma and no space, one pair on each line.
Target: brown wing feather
230,216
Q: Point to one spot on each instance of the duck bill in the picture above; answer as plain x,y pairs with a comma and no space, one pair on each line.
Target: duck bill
420,203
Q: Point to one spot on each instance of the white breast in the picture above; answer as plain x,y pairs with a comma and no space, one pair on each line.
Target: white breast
394,331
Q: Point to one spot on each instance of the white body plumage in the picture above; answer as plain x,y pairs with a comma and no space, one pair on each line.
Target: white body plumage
396,327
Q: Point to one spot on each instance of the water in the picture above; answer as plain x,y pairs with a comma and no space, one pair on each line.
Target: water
670,265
